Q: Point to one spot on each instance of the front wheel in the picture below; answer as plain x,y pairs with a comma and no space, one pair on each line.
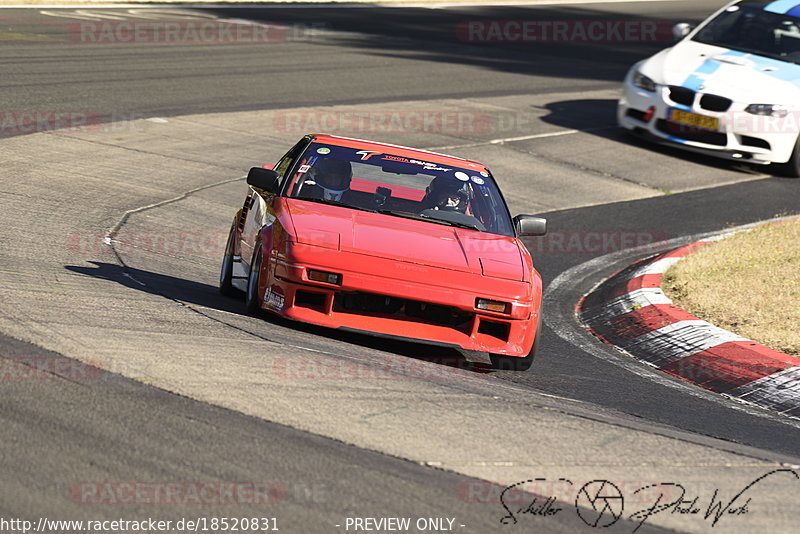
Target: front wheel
226,271
501,362
791,168
252,302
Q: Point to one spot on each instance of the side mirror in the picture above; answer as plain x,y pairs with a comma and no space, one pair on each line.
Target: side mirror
528,225
681,30
265,179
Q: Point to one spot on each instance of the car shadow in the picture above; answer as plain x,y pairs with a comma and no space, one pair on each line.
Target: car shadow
598,117
204,295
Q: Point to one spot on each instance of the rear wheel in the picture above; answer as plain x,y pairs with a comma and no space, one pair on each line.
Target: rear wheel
792,167
252,302
502,362
226,271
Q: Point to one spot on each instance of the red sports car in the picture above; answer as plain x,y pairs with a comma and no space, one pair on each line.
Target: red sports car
389,241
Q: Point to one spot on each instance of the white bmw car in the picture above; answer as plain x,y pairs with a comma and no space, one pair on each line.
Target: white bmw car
730,87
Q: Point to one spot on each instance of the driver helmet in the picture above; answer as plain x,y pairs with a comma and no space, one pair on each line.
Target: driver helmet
447,194
333,176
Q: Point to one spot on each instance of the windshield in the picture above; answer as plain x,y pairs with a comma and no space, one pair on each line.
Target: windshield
753,30
399,186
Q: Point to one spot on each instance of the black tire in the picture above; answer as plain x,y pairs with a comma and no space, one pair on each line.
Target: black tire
252,303
226,271
501,362
791,168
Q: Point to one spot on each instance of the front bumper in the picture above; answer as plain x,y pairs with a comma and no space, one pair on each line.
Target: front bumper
433,307
740,135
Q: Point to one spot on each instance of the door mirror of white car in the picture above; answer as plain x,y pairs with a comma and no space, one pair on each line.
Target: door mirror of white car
528,225
681,30
264,179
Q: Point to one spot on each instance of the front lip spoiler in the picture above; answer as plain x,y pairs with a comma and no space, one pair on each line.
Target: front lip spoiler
400,338
728,154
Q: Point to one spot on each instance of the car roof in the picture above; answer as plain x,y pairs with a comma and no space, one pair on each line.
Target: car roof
363,144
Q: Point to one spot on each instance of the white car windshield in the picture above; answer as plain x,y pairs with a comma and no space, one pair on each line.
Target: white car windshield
400,186
753,30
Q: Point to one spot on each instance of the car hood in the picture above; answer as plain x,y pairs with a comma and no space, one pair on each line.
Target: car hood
744,78
406,240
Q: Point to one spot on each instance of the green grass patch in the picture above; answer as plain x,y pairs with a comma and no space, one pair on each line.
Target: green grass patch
748,284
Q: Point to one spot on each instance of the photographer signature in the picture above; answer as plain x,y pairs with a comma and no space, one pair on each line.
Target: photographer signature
600,503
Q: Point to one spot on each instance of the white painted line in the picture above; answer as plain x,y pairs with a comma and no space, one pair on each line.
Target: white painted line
533,136
82,14
111,233
548,134
146,13
678,340
503,140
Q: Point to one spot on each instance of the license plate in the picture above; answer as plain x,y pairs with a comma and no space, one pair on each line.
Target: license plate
693,119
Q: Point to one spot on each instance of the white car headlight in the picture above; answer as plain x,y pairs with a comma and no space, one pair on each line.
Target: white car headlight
643,82
772,110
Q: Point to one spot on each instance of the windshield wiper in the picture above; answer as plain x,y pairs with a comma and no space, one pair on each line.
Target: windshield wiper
428,218
453,223
404,214
416,217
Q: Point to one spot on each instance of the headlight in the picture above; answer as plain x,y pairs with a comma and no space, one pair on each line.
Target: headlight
323,276
492,305
772,110
643,82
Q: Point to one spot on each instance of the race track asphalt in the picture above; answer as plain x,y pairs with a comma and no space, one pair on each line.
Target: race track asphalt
223,108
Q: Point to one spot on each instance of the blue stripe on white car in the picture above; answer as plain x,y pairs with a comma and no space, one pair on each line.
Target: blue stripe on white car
782,6
698,77
704,71
775,68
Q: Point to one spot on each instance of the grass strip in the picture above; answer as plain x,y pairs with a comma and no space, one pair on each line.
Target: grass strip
748,283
